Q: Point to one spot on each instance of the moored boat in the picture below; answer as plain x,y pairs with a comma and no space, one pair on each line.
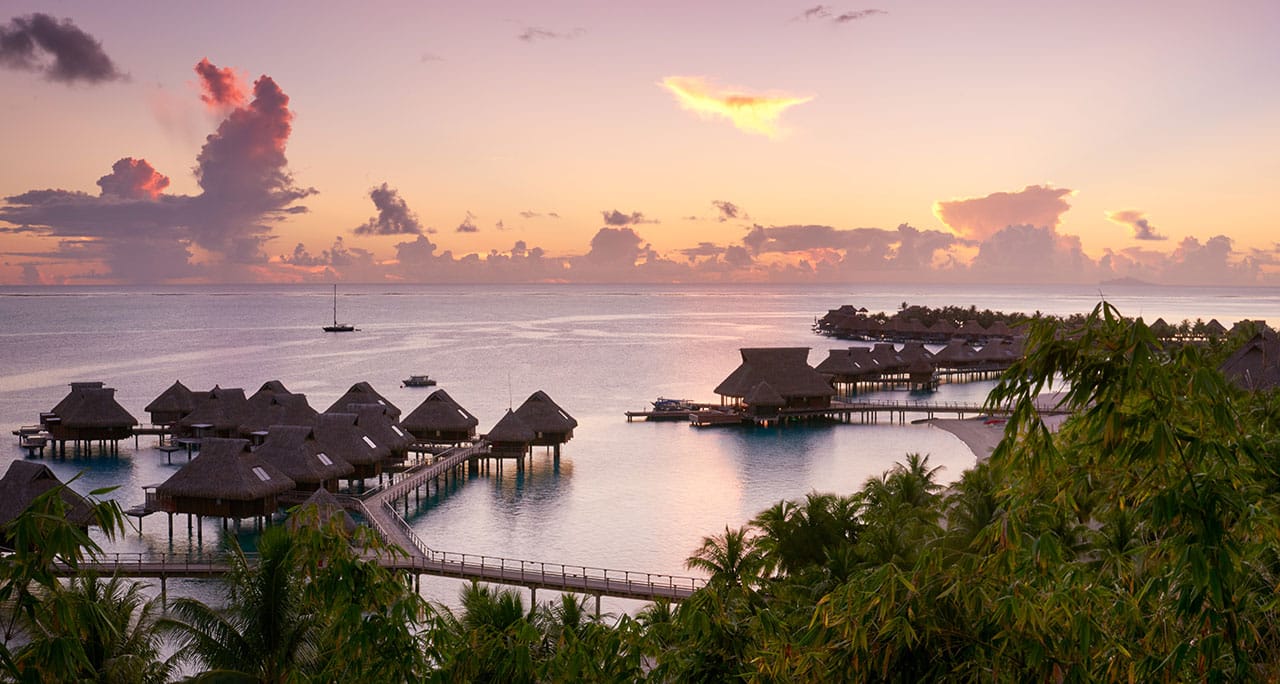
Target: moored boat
418,381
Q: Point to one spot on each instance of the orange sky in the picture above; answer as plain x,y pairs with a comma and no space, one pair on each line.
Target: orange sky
989,142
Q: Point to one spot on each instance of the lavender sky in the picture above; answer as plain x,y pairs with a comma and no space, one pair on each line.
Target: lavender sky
913,141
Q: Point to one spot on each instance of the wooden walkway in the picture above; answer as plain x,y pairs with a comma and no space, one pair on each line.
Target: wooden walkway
379,510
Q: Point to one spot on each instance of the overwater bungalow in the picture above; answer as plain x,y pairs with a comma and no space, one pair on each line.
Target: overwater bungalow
88,414
295,450
226,480
552,426
172,405
339,436
1256,364
886,355
265,410
956,355
376,421
786,370
362,393
23,482
441,420
510,437
763,401
218,413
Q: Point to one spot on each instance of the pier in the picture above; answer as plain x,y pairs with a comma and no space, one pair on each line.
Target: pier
856,412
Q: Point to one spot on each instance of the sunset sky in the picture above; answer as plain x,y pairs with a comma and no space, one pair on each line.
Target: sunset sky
1006,141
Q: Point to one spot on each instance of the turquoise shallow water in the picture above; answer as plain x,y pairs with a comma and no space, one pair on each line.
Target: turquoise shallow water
628,496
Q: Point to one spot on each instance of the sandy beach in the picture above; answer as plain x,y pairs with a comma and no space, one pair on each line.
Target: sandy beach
982,435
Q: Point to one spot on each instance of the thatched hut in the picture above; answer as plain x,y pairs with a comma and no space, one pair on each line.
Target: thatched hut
1213,329
226,480
957,354
886,356
362,393
763,401
510,436
295,450
24,481
339,436
172,405
921,375
912,351
221,412
264,410
441,420
786,369
376,421
1256,364
551,425
319,510
89,413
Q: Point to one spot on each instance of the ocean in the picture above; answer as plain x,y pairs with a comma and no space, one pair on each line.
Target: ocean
627,496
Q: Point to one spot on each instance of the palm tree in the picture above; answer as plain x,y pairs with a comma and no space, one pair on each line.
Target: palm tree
732,559
109,625
266,633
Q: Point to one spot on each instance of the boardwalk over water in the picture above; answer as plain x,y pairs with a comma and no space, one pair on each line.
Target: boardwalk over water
844,411
418,558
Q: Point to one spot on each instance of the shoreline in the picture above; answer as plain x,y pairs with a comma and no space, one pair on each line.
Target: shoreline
982,435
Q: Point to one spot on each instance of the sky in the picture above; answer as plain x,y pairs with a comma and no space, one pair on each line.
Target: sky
911,141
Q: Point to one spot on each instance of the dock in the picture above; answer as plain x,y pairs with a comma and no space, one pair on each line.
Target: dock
856,412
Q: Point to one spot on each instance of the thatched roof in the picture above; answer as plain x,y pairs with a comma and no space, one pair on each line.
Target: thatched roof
1256,364
912,351
177,399
362,393
338,435
1214,328
90,405
377,422
999,327
25,480
223,408
839,362
542,414
319,508
510,429
265,410
787,369
764,394
957,351
226,469
439,412
296,452
272,387
886,355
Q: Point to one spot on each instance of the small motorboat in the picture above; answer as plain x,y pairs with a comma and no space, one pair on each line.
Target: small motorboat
674,405
418,381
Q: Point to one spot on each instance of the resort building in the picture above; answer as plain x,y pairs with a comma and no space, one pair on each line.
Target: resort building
296,452
362,393
786,371
23,482
226,480
441,420
551,425
88,414
172,405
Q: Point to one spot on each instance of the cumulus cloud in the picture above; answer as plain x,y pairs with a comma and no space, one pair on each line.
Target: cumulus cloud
532,34
133,179
1033,254
245,187
220,89
826,13
751,113
468,224
1142,228
394,216
729,211
982,217
29,43
613,217
865,249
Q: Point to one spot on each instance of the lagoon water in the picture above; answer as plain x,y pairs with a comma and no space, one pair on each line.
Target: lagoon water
634,496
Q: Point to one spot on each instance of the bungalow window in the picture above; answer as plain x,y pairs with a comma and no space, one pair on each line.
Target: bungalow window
262,474
369,442
324,458
462,413
397,430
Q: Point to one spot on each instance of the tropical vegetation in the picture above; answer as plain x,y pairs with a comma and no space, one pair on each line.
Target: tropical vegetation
1140,542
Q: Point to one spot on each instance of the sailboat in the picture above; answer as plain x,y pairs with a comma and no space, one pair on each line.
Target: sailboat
338,327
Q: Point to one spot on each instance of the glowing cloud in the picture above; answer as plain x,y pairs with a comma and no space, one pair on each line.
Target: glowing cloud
220,88
133,179
749,113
